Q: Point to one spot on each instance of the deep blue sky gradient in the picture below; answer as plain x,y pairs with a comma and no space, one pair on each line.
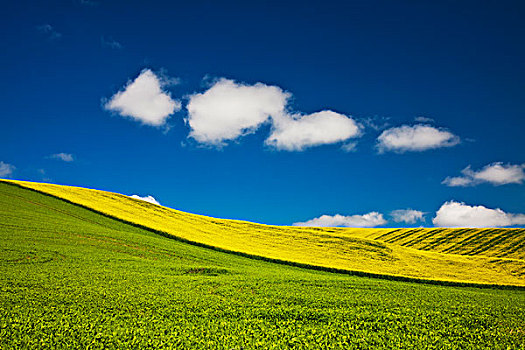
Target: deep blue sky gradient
459,63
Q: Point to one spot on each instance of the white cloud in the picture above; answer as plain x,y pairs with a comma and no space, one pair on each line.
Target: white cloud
66,157
456,214
144,100
297,132
371,219
149,199
458,181
49,31
229,110
495,173
419,137
409,216
6,169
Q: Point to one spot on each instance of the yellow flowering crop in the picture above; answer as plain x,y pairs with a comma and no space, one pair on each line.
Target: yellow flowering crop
493,256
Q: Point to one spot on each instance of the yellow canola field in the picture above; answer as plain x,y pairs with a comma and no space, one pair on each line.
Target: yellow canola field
492,256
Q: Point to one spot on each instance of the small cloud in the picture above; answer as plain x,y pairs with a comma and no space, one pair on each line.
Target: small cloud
149,199
371,219
49,31
408,216
109,42
144,100
457,181
376,123
6,169
424,120
349,147
457,214
298,132
416,138
66,157
496,174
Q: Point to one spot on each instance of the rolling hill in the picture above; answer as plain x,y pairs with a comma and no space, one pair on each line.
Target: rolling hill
74,278
481,256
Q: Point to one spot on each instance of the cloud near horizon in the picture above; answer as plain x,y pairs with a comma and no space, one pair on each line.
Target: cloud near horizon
417,138
459,214
496,174
149,199
229,110
371,219
408,216
144,100
66,157
6,169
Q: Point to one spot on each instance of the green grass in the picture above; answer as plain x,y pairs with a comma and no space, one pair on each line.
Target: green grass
72,278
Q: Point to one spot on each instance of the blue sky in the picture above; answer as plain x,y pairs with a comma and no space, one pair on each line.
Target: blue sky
275,112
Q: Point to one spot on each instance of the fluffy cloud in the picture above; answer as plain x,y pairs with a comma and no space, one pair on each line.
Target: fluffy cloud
66,157
297,132
6,169
149,199
229,110
419,137
409,216
371,219
456,214
495,173
144,100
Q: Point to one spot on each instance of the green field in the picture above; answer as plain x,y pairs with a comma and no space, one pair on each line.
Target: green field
72,278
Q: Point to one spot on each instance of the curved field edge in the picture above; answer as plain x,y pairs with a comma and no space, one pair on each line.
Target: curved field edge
463,270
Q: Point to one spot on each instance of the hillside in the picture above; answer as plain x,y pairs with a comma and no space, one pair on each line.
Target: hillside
72,278
487,256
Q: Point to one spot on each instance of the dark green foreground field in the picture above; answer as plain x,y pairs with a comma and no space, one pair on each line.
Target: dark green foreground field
71,278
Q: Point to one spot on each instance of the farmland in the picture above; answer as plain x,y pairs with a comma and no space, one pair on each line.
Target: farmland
72,278
484,256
